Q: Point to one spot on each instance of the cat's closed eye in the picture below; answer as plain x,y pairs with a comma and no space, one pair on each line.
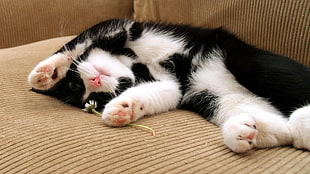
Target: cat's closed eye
75,87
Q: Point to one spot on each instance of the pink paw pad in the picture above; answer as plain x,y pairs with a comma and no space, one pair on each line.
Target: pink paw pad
121,121
121,113
47,69
70,58
42,79
251,136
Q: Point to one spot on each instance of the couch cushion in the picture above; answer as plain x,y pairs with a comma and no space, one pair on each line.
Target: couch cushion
33,20
39,134
279,26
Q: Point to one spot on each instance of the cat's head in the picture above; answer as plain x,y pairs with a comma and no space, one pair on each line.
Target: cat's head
100,73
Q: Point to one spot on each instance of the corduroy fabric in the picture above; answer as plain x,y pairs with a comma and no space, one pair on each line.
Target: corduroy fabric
39,134
279,26
27,21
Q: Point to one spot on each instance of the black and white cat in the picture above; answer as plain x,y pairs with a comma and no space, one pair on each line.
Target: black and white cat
132,69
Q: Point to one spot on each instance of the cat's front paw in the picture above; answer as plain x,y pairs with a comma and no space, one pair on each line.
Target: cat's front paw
48,72
122,111
43,77
240,133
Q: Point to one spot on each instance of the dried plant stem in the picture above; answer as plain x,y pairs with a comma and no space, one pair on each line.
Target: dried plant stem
96,112
145,127
133,125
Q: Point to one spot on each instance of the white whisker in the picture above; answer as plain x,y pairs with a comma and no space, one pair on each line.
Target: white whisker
79,59
110,88
75,62
69,52
84,69
74,70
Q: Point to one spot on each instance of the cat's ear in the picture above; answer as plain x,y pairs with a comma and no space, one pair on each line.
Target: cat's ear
114,42
119,39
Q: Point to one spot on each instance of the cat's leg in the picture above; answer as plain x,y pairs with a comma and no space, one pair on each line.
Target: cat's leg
246,120
49,71
145,99
254,125
299,124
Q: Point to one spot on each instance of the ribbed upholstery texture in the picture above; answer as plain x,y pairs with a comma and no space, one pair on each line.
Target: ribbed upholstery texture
33,20
39,134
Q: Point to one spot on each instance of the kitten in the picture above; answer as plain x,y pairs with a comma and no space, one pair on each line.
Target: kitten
132,69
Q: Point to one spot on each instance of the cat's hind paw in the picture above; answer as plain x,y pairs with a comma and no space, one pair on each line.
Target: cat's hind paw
299,124
240,133
122,111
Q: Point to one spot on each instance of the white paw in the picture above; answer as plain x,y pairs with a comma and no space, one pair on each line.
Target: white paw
299,124
122,111
240,133
48,72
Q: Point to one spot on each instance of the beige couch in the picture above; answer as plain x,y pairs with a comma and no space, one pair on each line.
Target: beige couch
39,134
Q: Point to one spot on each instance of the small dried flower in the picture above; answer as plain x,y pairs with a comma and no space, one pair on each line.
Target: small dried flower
91,106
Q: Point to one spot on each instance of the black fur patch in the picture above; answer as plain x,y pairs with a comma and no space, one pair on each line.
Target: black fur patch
201,102
135,31
92,33
181,66
115,45
142,73
284,82
124,83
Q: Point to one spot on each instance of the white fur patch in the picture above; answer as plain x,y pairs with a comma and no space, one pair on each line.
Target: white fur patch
154,46
213,75
110,64
299,124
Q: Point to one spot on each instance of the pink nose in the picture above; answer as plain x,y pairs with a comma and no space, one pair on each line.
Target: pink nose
95,81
